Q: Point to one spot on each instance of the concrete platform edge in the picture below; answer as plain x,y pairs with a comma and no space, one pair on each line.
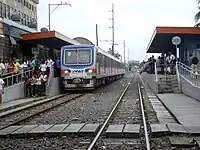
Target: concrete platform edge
142,80
48,98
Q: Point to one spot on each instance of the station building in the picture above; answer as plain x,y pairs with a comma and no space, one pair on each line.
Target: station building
16,18
161,41
19,35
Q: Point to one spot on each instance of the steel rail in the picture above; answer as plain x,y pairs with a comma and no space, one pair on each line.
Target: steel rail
39,102
143,117
92,144
41,111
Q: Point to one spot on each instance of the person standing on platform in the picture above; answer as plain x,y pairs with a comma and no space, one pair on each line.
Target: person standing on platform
16,71
1,90
172,60
195,62
58,67
43,67
49,63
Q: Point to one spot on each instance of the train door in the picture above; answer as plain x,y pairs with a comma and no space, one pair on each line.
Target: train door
98,63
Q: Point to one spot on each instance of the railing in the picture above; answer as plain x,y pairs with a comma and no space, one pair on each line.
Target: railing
50,81
165,69
178,76
188,73
156,77
156,72
14,78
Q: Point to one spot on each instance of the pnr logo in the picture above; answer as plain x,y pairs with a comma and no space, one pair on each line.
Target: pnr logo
77,71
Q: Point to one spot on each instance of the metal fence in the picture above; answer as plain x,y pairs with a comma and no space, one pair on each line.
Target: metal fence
14,78
165,69
191,75
50,81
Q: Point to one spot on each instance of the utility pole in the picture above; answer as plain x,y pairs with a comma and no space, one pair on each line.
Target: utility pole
97,37
113,29
57,5
124,52
128,55
49,17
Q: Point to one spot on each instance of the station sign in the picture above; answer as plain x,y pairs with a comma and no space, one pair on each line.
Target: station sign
176,40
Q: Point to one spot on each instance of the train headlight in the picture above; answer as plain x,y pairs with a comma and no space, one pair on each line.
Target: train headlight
90,71
67,71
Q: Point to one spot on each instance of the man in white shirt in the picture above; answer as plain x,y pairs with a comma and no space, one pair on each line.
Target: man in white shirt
171,57
49,63
172,60
43,67
1,89
2,67
44,78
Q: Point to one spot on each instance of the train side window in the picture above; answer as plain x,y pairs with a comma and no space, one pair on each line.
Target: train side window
112,63
107,61
98,55
99,58
102,60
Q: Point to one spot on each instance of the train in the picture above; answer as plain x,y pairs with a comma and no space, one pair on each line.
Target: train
85,67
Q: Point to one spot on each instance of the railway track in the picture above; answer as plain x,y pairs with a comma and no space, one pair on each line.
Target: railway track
93,144
133,96
22,113
27,112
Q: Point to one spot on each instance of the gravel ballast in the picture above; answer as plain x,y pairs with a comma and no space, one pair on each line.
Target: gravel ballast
128,111
90,108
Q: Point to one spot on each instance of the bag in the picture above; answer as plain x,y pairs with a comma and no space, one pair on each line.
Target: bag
168,69
195,60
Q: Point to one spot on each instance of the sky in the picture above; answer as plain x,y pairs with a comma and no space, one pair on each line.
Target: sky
135,20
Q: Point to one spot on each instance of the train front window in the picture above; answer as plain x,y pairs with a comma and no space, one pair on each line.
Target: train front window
70,57
84,56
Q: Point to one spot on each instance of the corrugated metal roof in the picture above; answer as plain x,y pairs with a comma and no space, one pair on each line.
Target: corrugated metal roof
12,23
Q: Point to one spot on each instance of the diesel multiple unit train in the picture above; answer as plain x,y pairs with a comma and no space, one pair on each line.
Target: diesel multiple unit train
88,66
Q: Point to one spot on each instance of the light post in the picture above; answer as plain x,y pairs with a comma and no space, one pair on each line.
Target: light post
57,5
113,28
176,41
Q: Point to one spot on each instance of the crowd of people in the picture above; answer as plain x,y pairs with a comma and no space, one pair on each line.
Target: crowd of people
33,71
17,65
165,64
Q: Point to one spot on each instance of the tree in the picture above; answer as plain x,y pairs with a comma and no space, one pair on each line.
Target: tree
197,16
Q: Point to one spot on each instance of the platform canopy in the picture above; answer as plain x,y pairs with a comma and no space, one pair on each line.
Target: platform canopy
51,39
161,40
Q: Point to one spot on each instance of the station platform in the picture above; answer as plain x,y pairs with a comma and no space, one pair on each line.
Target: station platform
185,109
18,102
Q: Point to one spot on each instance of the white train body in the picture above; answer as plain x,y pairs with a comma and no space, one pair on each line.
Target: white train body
88,66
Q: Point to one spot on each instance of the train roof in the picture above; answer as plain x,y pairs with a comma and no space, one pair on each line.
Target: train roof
108,54
81,45
93,46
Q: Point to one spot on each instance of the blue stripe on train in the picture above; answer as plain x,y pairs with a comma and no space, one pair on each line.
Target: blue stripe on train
63,66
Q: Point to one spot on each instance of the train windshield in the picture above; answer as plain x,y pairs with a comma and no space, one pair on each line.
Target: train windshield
84,56
71,57
79,56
